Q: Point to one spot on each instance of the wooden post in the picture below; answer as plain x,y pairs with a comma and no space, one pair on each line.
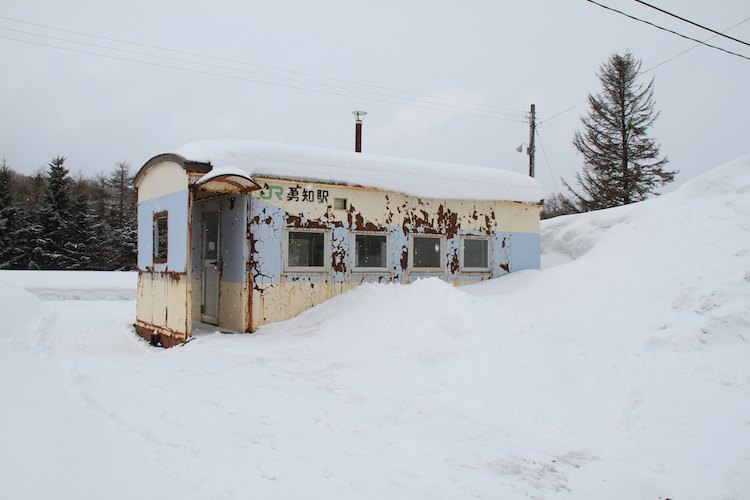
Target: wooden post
532,133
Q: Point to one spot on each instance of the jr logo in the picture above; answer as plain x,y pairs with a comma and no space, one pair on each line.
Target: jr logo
271,192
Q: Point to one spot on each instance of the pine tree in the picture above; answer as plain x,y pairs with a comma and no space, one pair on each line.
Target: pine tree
85,240
18,227
53,250
621,164
8,218
121,218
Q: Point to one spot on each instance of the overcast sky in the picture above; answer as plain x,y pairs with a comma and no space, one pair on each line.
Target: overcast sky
482,62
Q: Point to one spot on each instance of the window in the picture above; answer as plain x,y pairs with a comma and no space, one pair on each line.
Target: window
370,252
160,237
339,203
427,253
306,250
476,254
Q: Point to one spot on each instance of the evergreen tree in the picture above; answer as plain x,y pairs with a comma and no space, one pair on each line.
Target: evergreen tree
18,227
52,221
85,240
8,218
621,164
53,250
121,218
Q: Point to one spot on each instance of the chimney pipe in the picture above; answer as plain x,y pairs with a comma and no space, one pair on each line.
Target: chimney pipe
358,130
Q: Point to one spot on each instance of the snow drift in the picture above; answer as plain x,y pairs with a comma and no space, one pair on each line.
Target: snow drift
622,373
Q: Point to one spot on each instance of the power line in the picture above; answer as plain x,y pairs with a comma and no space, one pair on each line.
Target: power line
544,153
563,111
667,30
273,68
691,22
296,80
262,82
649,69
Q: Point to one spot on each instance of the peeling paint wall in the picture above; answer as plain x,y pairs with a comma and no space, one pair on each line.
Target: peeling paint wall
163,288
278,293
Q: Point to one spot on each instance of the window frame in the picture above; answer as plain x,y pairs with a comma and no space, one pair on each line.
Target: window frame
467,269
443,258
163,215
308,269
370,270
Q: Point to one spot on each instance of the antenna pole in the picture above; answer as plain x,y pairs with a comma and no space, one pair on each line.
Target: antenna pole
358,130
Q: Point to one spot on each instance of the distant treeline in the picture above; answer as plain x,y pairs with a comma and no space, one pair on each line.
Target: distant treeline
51,220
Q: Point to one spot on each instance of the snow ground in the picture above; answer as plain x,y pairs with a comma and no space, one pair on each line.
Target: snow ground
620,371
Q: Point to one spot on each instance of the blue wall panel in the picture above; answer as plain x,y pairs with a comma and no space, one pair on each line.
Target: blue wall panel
176,205
526,249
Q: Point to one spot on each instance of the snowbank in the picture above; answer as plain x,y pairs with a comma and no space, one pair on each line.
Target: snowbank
622,373
74,285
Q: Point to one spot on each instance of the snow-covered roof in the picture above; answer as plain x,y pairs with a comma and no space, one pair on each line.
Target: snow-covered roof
413,177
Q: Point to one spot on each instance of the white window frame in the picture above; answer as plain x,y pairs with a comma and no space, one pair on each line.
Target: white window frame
463,250
440,269
371,270
308,269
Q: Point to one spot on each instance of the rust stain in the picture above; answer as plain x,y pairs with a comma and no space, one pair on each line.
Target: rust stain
506,267
448,220
159,335
338,261
404,258
389,212
189,300
357,222
454,262
249,266
487,224
349,215
172,275
300,222
502,245
422,223
253,265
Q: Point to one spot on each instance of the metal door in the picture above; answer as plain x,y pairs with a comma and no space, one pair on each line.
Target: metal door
211,265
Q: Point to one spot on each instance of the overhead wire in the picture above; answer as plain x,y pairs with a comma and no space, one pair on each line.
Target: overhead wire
262,82
649,69
667,29
273,68
693,23
266,75
546,160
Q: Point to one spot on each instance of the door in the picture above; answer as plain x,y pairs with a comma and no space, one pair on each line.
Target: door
211,265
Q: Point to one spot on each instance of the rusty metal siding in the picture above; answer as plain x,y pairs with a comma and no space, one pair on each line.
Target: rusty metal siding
511,228
163,289
161,302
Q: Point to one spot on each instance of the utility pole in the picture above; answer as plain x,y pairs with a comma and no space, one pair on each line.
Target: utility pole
532,133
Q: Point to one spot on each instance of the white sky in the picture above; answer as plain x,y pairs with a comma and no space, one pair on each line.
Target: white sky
99,110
